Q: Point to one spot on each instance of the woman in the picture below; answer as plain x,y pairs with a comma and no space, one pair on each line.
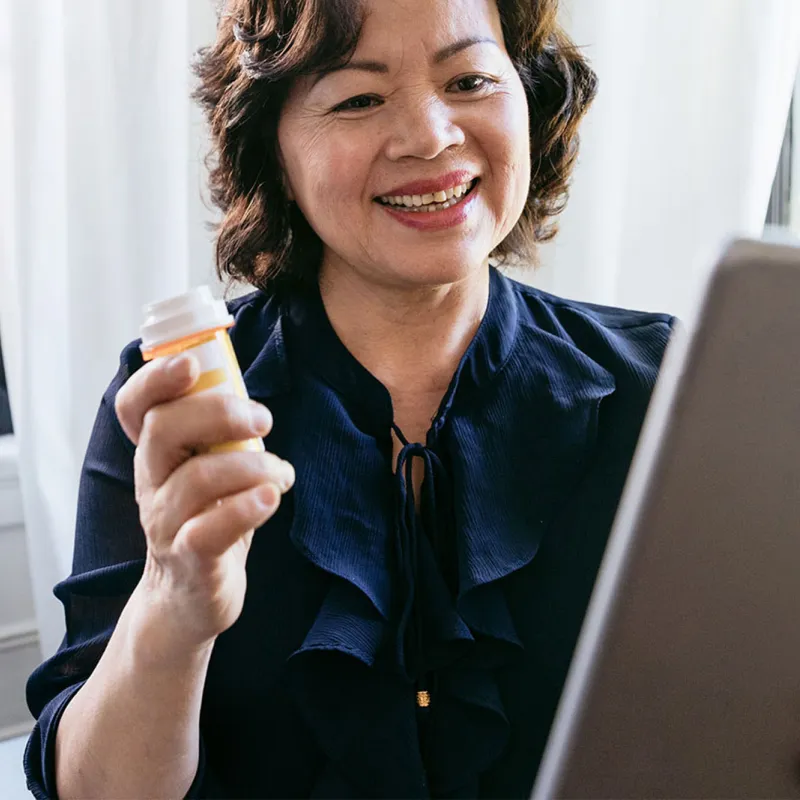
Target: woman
460,441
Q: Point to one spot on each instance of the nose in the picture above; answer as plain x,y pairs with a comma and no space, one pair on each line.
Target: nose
423,129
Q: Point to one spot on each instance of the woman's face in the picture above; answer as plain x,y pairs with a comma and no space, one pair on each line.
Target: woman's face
429,103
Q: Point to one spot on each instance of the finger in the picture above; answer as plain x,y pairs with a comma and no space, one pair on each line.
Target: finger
214,531
173,432
157,382
198,483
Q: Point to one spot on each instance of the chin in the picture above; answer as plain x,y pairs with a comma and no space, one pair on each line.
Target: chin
433,271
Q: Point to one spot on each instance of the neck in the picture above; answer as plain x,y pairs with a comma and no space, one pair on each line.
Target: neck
409,338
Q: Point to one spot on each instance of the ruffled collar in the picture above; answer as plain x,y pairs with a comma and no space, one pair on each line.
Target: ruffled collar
517,429
321,351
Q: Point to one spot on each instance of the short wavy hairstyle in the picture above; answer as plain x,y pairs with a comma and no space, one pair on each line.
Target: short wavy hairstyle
244,79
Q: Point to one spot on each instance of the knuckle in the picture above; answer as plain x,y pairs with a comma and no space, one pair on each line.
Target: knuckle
152,515
154,425
139,465
237,508
130,394
278,472
249,470
250,509
204,478
142,488
146,521
267,466
125,405
121,403
234,411
185,545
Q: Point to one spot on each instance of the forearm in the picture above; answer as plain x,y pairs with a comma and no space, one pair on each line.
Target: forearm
132,730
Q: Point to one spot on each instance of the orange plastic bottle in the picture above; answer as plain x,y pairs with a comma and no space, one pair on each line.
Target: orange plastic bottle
195,322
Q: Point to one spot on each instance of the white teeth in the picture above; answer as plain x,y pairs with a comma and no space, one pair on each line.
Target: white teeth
443,199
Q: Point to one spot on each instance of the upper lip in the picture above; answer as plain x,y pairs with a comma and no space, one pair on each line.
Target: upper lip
432,185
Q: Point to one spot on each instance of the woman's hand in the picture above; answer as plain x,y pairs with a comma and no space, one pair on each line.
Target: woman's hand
198,512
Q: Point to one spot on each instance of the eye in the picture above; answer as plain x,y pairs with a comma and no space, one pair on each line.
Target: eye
472,83
359,103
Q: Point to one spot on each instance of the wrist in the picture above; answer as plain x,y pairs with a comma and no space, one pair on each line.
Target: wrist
155,637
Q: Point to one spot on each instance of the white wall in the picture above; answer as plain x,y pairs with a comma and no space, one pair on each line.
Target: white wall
19,638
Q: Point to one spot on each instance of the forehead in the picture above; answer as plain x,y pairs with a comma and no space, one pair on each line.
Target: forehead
390,25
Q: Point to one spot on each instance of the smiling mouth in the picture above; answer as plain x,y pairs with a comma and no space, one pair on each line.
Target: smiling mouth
425,204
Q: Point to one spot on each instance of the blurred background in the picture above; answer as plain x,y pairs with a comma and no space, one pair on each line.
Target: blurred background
694,137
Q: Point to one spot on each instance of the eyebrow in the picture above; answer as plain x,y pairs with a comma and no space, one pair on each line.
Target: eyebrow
380,68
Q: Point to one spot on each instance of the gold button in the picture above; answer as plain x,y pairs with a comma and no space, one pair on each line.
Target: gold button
423,699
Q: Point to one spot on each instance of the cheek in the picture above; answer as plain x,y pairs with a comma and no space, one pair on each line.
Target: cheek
508,153
331,176
511,149
335,170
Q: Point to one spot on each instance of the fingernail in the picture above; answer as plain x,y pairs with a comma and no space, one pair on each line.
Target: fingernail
260,418
288,476
266,496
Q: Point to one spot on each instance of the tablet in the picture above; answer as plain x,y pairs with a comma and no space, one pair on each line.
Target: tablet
686,679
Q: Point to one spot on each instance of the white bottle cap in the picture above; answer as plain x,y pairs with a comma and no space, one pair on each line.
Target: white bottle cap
184,315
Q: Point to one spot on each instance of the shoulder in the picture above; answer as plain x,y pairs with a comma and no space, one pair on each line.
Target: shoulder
630,344
256,316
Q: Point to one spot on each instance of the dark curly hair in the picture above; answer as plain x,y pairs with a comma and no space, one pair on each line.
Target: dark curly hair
262,45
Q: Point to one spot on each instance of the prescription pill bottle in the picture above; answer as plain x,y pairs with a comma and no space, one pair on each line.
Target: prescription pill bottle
197,323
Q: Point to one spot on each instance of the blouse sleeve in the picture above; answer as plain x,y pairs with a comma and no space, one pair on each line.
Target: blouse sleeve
108,562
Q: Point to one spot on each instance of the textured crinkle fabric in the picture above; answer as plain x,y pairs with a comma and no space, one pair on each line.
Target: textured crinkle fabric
384,651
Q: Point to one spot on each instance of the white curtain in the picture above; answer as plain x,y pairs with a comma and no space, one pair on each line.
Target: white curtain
680,148
102,176
102,213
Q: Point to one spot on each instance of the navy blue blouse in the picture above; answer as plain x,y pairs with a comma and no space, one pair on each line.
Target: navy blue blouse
383,652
